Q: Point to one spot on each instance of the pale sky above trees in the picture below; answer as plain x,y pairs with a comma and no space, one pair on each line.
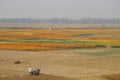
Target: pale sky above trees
59,8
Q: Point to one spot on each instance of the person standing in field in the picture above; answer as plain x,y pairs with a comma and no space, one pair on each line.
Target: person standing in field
30,70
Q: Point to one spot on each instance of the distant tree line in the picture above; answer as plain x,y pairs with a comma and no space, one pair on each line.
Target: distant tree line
62,20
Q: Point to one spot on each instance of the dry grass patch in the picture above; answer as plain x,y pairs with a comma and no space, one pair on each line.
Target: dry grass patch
113,77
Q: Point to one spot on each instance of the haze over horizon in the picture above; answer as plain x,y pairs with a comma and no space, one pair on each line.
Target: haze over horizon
73,9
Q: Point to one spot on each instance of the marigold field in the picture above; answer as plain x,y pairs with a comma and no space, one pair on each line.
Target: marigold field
35,40
67,52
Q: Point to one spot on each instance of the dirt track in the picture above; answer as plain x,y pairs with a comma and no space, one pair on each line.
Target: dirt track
58,65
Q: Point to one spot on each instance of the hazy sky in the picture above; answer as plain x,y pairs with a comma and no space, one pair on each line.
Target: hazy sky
59,8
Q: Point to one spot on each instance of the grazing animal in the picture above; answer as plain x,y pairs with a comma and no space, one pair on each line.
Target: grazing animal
17,62
37,71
